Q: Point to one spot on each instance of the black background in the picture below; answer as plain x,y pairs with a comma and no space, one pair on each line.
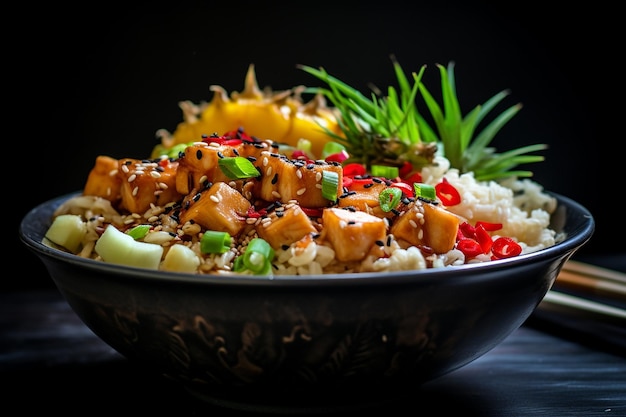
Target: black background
83,83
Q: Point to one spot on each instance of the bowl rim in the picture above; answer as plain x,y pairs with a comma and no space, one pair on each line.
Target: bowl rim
31,233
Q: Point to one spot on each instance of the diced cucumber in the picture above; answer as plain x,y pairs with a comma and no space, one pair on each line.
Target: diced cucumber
181,259
67,231
117,247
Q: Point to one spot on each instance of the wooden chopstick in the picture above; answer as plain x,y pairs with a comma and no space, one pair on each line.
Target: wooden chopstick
592,279
583,306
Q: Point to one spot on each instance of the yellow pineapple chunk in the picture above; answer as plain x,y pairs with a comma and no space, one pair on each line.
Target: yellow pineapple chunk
103,180
353,234
147,182
283,227
220,208
426,224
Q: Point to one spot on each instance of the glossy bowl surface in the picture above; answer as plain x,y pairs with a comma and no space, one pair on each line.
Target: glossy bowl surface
296,343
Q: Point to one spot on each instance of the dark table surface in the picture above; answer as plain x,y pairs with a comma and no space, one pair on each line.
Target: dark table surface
49,360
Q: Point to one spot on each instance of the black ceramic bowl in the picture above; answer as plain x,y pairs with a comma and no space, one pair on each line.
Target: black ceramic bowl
300,343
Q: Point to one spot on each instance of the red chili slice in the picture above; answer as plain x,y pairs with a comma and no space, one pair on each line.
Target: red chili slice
405,169
490,227
469,247
483,238
505,247
353,169
467,229
299,154
338,157
446,192
406,189
415,177
312,212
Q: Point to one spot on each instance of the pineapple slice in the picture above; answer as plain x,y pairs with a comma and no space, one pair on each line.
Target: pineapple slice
220,208
426,224
147,182
103,180
283,227
67,231
180,258
283,179
353,234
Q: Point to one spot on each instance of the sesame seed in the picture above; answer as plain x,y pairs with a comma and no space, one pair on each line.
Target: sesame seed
299,174
135,191
125,169
413,224
269,171
318,176
155,174
265,161
275,194
301,191
215,198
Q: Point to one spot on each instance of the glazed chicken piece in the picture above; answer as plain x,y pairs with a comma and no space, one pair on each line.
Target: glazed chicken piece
353,234
426,224
220,208
144,183
283,179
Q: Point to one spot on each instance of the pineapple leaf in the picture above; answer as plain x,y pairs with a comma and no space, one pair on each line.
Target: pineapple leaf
391,130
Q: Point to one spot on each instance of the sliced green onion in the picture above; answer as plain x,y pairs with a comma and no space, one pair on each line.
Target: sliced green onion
174,151
332,148
389,198
426,191
257,258
330,182
215,242
385,171
237,167
304,145
139,232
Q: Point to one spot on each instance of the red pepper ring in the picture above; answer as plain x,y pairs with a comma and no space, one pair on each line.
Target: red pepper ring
446,192
505,247
470,247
